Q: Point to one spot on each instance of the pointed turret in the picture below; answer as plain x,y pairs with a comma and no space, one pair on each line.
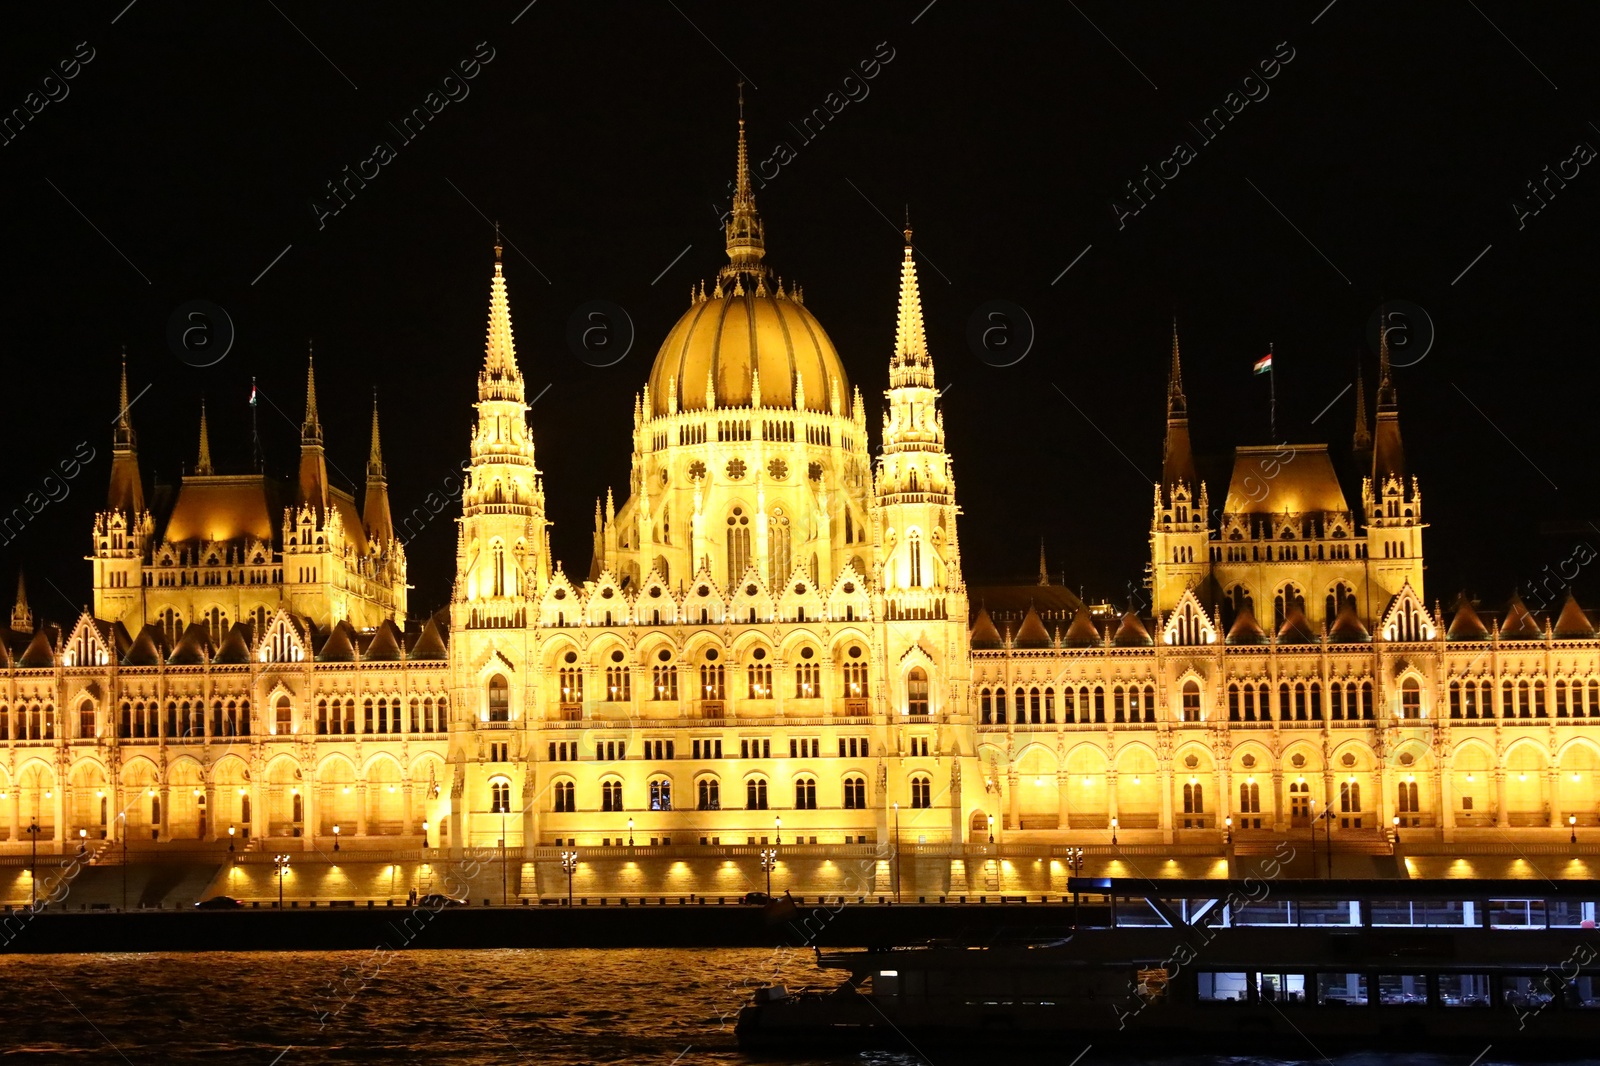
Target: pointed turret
1361,442
1032,633
984,634
911,365
500,379
126,494
1573,623
746,236
21,614
1044,572
202,465
1177,463
1082,633
1388,456
375,508
313,488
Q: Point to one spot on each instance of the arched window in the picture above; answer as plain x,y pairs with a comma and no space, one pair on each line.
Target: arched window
1366,701
499,796
778,564
499,699
611,795
1250,798
1191,702
914,548
1233,702
285,722
497,552
619,684
1194,803
855,793
805,794
755,794
807,675
921,792
986,707
661,794
1049,706
738,544
917,693
566,797
999,706
86,719
1406,803
1350,803
1410,699
708,794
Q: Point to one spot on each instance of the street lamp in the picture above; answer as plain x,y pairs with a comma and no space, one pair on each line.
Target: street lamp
991,829
897,851
502,857
424,836
769,859
1572,824
1113,832
231,831
569,863
282,863
630,832
335,838
1397,830
83,836
778,822
1075,864
122,816
33,863
1227,833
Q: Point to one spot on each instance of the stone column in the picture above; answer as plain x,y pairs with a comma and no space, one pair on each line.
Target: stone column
1168,783
1111,796
1063,796
361,808
1556,821
1224,797
258,816
16,814
210,812
165,795
1445,800
313,813
408,808
63,812
1013,800
1502,817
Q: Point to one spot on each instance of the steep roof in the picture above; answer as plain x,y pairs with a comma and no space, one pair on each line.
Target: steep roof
235,646
1132,633
1306,482
984,634
1245,629
340,647
430,645
1083,632
39,652
1519,623
1466,625
1573,623
193,647
227,507
1032,634
1295,629
147,649
1347,627
385,644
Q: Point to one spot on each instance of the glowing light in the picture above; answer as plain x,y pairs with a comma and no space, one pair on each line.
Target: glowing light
1522,777
1469,777
1411,777
1038,781
1574,775
1086,779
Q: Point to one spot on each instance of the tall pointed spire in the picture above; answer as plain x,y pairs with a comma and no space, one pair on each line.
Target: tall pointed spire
1361,442
500,379
1388,455
1044,572
375,508
202,465
126,492
313,487
746,236
1177,463
21,614
912,365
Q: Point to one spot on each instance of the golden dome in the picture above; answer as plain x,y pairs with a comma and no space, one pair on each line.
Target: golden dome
725,340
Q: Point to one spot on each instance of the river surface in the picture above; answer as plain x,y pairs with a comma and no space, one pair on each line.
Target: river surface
443,1008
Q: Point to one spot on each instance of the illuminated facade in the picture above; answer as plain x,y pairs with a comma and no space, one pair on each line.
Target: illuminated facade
773,641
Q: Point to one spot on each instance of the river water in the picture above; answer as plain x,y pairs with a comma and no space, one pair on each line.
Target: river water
443,1008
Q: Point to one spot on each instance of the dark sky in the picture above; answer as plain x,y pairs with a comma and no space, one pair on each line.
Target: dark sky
1382,159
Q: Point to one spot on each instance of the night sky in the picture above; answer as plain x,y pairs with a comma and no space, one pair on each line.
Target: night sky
1385,159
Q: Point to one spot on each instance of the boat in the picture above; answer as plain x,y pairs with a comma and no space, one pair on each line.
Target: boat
1244,967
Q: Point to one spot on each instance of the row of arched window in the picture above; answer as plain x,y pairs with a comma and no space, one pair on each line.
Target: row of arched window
1574,698
378,716
1079,705
708,793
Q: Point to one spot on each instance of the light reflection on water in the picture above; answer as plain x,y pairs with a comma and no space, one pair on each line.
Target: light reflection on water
450,1008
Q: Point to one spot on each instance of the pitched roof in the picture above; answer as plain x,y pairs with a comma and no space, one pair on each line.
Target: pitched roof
984,634
385,644
1032,634
1305,482
1466,625
1519,623
39,652
1245,629
235,646
1573,623
193,647
1347,627
340,647
430,645
147,649
1295,629
1132,633
1083,632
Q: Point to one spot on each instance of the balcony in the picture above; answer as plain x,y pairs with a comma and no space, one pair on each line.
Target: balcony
713,709
572,712
857,708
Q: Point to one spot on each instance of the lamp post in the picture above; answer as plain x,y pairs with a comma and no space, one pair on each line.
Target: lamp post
897,851
282,863
1397,830
1572,824
336,837
424,835
1227,832
1113,832
569,863
83,838
991,829
778,823
231,831
1075,864
122,816
769,859
1314,839
33,863
503,857
630,832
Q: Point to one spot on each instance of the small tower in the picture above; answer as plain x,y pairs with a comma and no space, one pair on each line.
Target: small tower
202,465
21,614
1179,532
124,528
313,490
1391,500
375,514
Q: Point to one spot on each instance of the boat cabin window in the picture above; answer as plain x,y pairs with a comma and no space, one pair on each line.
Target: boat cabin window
1282,987
1223,987
1412,913
1341,989
1264,912
1529,992
1464,989
1516,914
1327,912
1402,990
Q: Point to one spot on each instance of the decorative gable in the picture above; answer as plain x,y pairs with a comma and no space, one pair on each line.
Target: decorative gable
1188,624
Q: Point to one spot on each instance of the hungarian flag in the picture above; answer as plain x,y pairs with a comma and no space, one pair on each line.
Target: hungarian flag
1264,364
252,394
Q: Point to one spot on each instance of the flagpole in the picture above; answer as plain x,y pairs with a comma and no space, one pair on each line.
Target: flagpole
255,433
1272,391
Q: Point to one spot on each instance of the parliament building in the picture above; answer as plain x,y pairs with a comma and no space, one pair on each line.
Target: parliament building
774,640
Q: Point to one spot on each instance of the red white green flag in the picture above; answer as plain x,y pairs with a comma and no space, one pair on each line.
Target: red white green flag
1264,364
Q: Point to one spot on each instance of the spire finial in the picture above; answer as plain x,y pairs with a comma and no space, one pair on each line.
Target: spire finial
375,459
203,466
1386,397
911,365
311,428
1044,572
497,248
745,233
908,226
1176,405
1363,434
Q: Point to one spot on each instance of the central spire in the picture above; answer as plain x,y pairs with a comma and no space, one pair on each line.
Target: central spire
311,428
745,232
203,466
1176,404
500,379
1177,463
